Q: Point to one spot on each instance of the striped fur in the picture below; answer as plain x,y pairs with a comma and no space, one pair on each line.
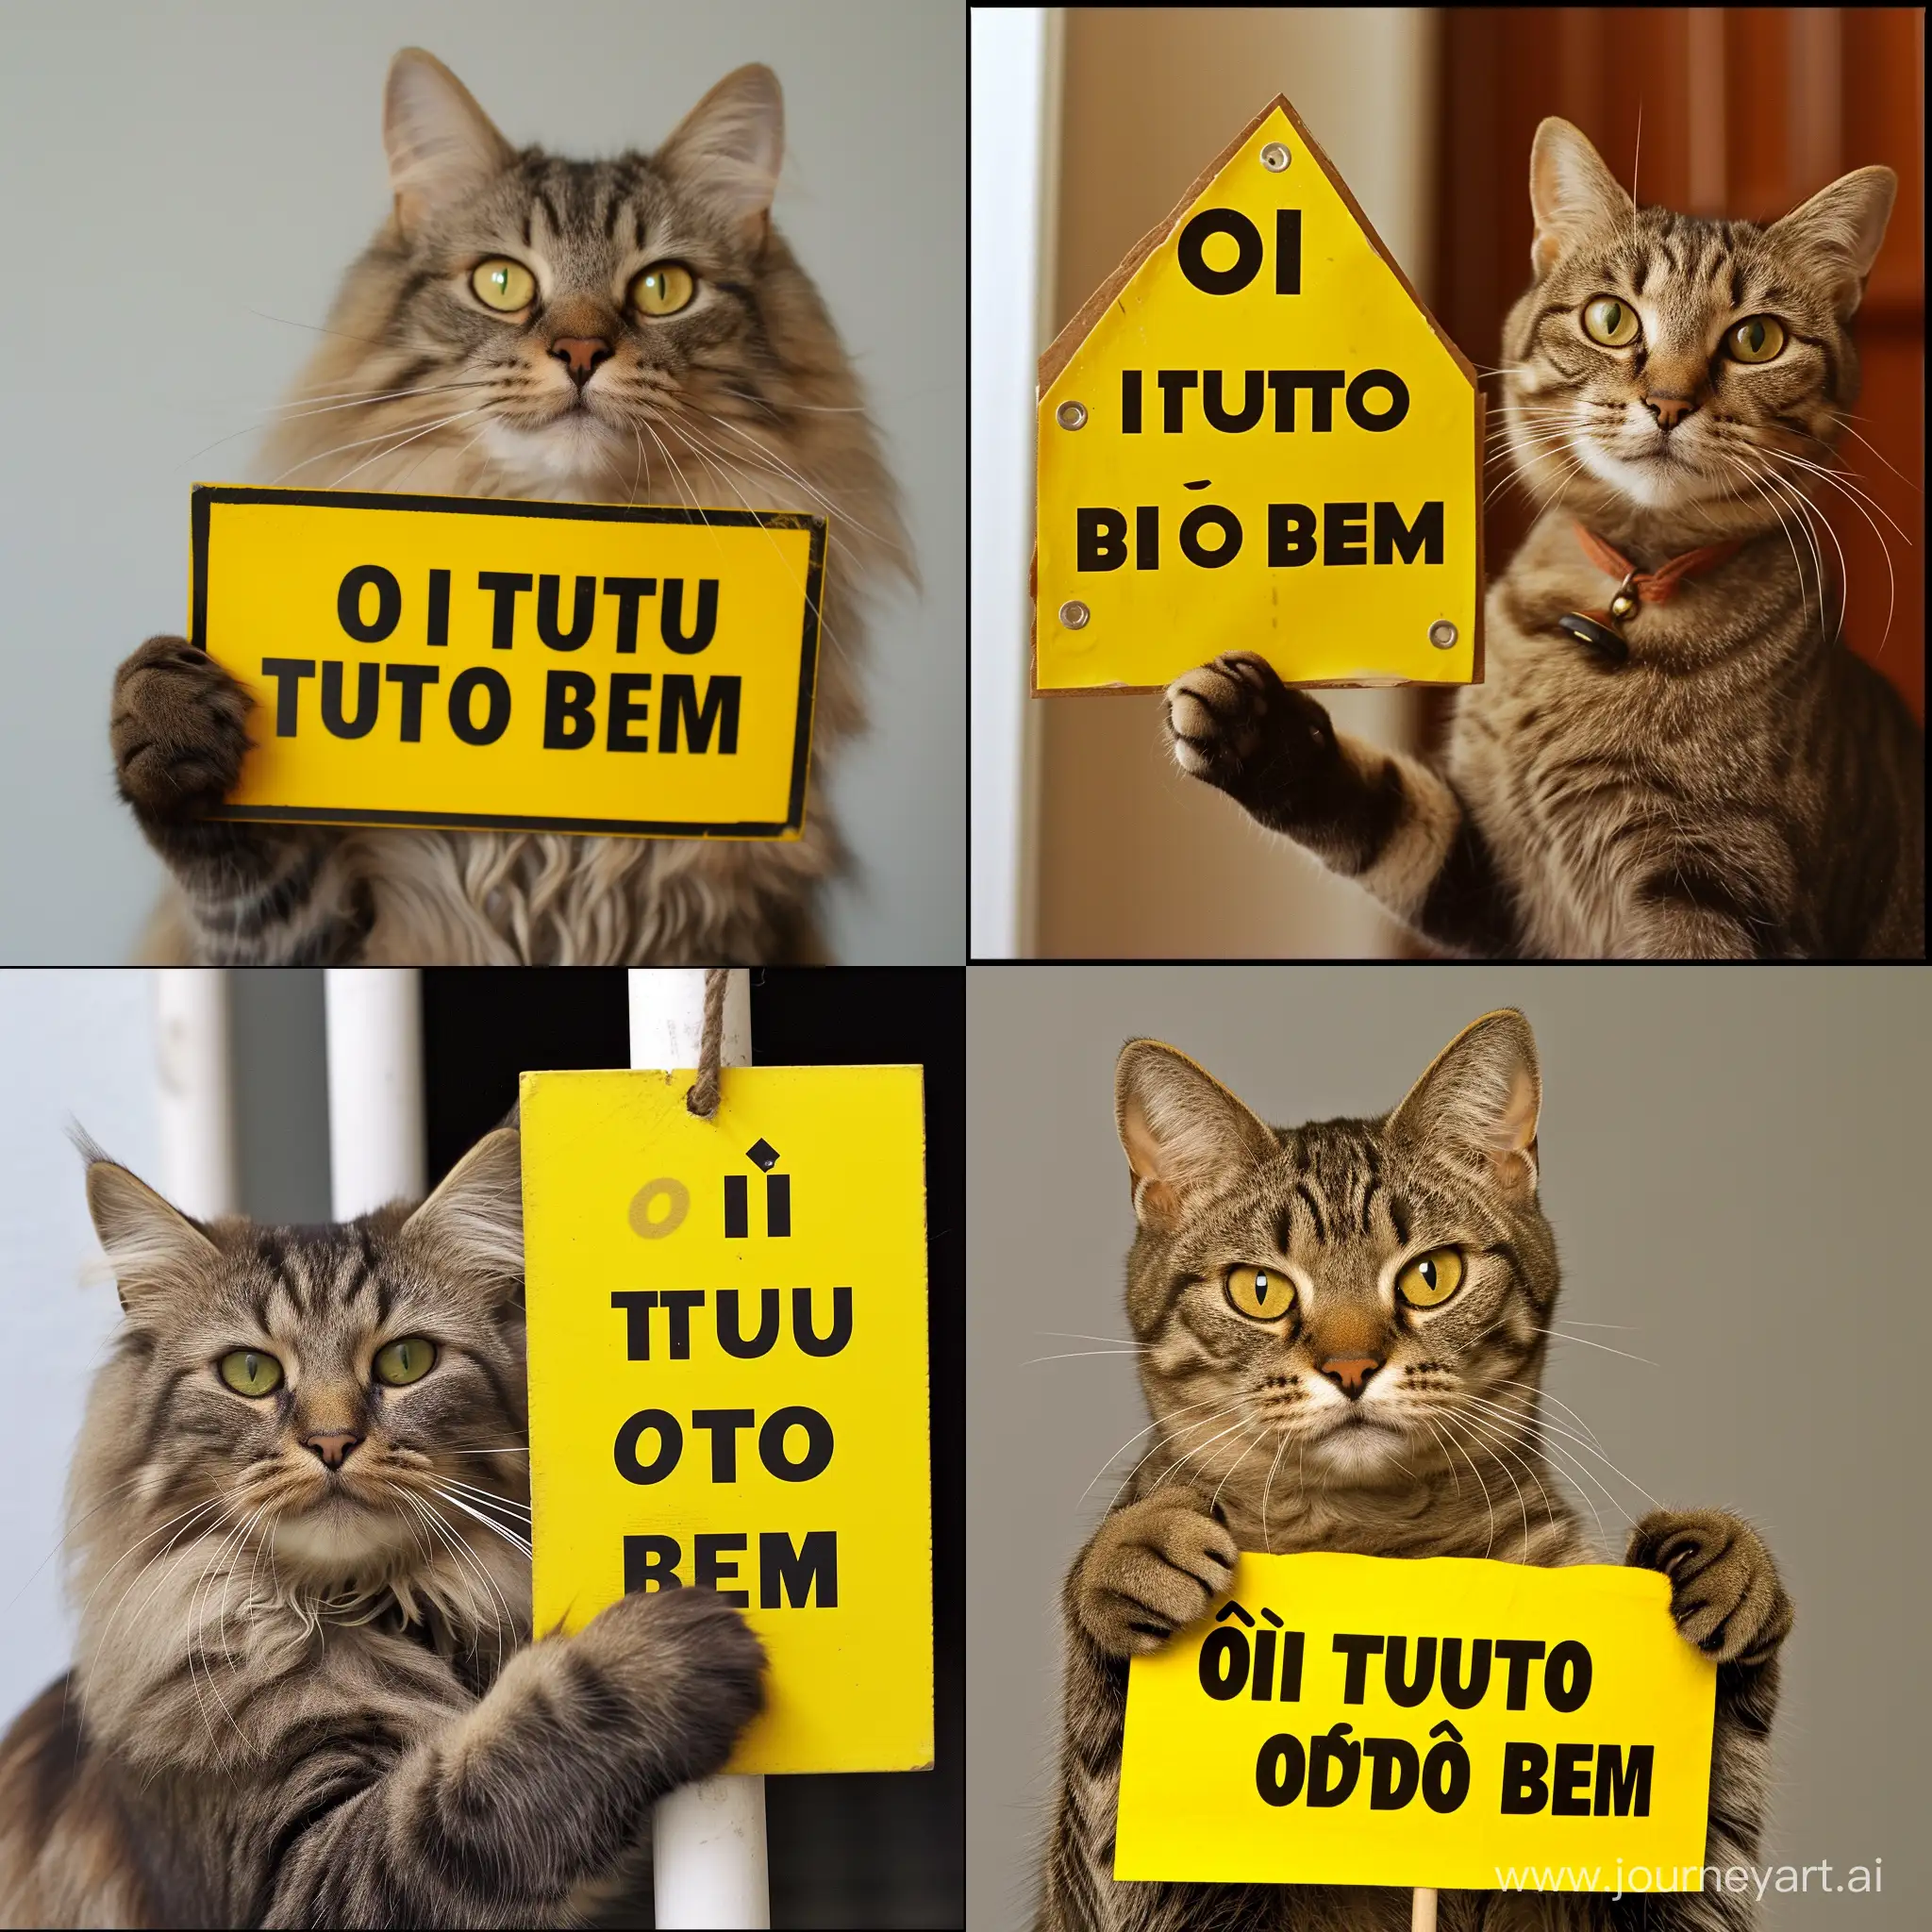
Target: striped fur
1741,786
307,1698
745,398
1445,1454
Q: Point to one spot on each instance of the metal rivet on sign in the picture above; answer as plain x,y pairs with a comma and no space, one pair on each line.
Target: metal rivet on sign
1071,415
1073,614
1442,634
1274,157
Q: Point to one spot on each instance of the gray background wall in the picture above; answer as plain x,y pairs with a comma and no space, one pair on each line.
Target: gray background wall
1735,1163
187,181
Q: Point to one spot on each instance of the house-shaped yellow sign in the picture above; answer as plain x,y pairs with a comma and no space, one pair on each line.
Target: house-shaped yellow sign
1254,436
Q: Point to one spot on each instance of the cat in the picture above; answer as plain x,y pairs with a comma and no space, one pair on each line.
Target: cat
304,1690
1372,1394
1734,785
739,395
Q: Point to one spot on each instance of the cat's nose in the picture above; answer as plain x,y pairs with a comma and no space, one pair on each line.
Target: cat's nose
1669,410
1350,1373
580,354
332,1446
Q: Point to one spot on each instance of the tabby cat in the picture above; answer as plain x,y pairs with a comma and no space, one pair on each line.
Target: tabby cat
1729,783
1324,1315
305,1692
633,331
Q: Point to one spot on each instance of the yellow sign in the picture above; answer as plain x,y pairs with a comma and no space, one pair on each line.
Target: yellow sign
728,1373
547,667
1363,1721
1255,436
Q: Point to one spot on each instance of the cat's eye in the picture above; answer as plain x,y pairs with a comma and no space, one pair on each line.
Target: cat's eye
503,285
663,289
249,1371
1430,1279
399,1363
1610,322
1260,1293
1758,339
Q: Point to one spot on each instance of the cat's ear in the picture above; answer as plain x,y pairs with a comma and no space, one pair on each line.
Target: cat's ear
1481,1095
1835,234
1182,1130
1570,191
473,1223
154,1252
730,147
441,145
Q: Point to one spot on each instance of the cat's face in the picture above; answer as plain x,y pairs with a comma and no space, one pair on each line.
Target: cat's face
321,1395
1343,1302
1685,366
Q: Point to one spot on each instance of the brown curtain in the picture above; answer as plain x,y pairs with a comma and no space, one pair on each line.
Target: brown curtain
1747,110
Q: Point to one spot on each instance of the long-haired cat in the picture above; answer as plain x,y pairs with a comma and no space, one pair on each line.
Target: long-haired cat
304,1690
1723,780
1341,1330
630,331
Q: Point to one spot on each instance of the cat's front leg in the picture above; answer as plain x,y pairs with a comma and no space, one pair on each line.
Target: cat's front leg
543,1787
259,894
1725,1598
1690,909
1392,825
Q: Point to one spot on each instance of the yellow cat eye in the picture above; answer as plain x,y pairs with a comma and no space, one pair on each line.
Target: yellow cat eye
1260,1293
248,1372
663,289
1430,1279
503,285
399,1363
1758,339
1610,322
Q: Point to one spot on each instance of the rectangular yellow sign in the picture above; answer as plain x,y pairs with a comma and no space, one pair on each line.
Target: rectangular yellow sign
727,1363
1345,1719
559,667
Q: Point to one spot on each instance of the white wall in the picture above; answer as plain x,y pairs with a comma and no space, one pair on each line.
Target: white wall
187,181
77,1047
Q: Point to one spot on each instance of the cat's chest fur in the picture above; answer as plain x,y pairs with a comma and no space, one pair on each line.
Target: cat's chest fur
1587,777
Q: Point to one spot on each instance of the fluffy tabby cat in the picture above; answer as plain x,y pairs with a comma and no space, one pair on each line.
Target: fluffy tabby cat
1741,785
305,1692
633,330
1339,1327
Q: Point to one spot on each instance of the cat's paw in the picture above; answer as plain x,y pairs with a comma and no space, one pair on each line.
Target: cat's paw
1235,726
1153,1568
690,1666
1725,1595
178,730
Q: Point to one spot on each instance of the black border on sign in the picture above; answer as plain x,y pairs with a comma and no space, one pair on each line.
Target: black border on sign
206,494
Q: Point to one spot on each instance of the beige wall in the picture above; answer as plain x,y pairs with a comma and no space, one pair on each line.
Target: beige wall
1134,859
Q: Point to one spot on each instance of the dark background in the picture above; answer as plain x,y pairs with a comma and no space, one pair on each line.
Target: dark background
884,1849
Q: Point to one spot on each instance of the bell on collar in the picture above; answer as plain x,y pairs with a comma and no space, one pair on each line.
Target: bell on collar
1624,604
1594,637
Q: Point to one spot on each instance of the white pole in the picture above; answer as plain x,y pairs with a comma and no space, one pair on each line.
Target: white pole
708,1839
375,1152
197,1171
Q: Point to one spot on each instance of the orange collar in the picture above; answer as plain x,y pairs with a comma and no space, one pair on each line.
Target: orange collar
1649,587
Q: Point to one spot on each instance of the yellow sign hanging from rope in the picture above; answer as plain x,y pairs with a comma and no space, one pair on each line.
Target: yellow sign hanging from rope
728,1369
1346,1720
1255,436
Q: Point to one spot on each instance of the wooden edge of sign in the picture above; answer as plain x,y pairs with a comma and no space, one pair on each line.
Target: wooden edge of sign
1066,344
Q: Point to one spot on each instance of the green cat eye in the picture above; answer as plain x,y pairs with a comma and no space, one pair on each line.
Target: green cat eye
399,1363
248,1372
1260,1293
1610,322
1761,339
1430,1279
503,285
663,289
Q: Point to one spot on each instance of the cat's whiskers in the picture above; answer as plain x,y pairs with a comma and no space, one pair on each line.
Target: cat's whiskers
1217,1408
1546,1430
1489,1436
509,1536
1809,520
362,442
429,430
1857,499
